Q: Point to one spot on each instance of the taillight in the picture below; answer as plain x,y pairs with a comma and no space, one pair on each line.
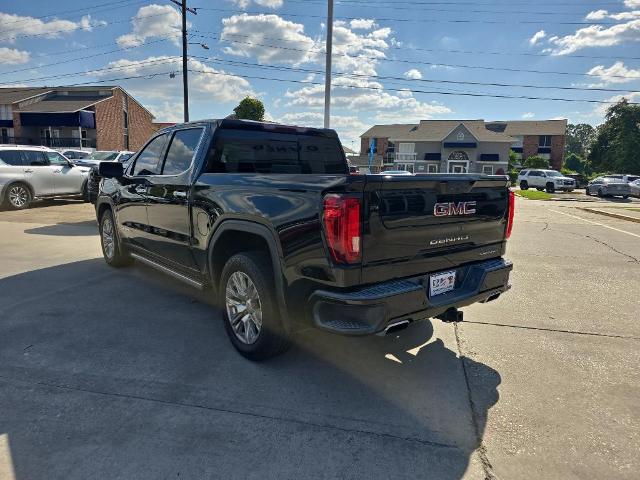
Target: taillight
511,207
341,217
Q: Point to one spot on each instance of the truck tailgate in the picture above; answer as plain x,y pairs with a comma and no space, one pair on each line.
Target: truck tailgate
427,223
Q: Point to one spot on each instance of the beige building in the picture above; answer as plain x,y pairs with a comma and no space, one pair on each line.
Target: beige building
458,146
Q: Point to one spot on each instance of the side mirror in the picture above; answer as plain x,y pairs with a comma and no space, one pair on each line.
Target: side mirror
110,169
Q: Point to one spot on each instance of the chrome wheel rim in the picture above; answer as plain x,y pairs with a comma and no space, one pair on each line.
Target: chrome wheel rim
18,196
244,309
108,242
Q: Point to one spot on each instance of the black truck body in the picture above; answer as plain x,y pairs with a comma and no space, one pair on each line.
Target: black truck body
352,254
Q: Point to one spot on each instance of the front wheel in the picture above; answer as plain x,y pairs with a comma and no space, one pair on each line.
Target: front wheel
551,188
625,196
524,185
18,197
600,193
111,248
586,191
250,309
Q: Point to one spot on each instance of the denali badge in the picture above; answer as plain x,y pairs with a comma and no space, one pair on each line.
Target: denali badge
445,241
449,209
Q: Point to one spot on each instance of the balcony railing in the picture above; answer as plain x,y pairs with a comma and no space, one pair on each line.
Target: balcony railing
406,157
58,142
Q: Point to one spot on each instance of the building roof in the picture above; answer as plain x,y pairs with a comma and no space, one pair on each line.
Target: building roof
438,130
63,104
535,127
10,95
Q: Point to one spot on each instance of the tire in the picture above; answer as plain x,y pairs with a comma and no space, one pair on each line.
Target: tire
524,185
625,196
550,188
112,251
18,196
600,194
86,198
247,282
586,191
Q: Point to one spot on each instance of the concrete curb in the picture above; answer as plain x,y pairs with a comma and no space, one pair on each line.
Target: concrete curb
611,214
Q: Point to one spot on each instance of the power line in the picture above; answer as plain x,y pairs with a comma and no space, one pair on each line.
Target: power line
413,20
519,97
421,80
396,60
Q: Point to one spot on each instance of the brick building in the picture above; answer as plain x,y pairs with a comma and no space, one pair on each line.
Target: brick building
100,117
458,146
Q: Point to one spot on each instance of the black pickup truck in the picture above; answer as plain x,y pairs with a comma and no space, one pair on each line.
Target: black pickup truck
270,219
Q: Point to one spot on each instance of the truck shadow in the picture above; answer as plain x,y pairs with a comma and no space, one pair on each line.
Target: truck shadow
87,228
129,374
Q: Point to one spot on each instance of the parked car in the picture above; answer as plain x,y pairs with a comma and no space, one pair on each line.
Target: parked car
549,180
579,178
268,216
94,176
103,156
634,188
73,154
623,178
28,173
609,186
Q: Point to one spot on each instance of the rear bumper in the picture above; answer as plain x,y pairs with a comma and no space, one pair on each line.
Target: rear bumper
371,309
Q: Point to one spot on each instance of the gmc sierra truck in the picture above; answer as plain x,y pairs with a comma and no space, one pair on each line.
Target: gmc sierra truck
268,217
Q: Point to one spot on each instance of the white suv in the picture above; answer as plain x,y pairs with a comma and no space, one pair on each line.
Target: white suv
548,180
27,173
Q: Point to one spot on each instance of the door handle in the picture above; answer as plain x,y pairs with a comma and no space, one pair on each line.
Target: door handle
57,171
28,170
180,194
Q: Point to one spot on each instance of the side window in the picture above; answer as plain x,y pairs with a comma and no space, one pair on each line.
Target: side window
10,157
533,173
56,159
148,161
33,158
181,151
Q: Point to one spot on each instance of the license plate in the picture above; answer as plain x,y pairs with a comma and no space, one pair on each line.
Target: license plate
441,283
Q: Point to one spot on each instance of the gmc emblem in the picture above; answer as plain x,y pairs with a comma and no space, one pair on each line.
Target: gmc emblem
449,209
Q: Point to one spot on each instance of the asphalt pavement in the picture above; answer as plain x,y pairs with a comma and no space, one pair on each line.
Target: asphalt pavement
109,373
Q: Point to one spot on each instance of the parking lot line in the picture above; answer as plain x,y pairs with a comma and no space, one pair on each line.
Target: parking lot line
596,223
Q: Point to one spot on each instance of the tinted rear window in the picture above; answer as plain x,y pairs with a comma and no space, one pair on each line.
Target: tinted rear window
238,151
10,157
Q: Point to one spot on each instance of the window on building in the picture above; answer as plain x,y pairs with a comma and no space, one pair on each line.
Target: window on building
487,169
544,141
181,151
6,112
432,168
125,119
148,161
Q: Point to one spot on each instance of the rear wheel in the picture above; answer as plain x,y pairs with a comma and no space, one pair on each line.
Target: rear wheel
250,309
111,248
586,191
18,196
550,188
600,194
524,185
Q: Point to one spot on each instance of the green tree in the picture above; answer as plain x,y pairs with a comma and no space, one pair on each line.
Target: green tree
617,144
579,139
250,109
575,162
536,162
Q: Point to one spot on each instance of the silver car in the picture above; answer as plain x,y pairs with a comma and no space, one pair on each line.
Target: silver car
608,186
635,188
27,173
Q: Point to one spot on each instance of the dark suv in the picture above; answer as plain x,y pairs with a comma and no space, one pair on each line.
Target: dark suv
268,217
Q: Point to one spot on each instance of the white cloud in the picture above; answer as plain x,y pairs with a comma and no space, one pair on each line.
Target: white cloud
603,14
413,74
87,24
595,36
261,3
153,21
616,73
528,115
632,3
12,56
212,86
362,23
247,35
12,26
167,111
601,110
537,37
357,52
349,127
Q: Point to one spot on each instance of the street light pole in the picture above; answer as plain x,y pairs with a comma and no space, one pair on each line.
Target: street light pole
327,70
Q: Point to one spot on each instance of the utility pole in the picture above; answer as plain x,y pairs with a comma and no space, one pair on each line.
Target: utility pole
185,82
327,69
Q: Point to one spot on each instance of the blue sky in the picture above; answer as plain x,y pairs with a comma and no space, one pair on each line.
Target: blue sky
392,60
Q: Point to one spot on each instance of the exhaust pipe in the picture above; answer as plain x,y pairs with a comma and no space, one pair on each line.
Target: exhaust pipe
451,315
395,327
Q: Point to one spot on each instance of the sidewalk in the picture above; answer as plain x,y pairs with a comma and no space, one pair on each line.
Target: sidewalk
629,213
